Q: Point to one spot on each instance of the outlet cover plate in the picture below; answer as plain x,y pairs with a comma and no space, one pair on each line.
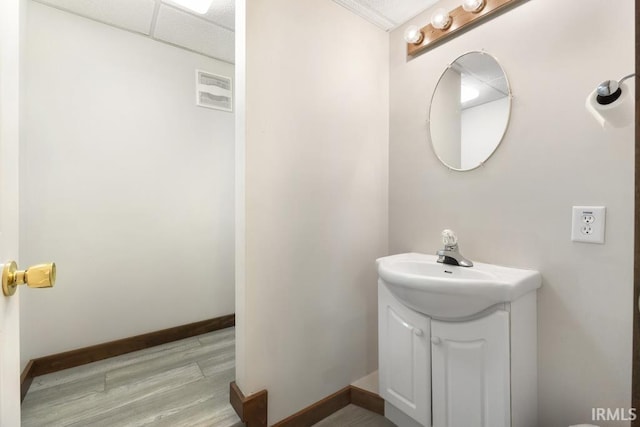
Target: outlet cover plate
588,224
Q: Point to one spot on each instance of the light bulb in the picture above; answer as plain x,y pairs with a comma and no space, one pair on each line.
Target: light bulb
441,19
413,35
473,6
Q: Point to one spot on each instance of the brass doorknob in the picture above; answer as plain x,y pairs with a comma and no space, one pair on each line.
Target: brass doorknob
37,276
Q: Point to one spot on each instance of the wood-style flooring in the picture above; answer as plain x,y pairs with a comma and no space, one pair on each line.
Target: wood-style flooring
354,416
181,384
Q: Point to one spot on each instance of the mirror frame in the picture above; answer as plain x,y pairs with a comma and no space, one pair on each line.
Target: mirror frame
509,95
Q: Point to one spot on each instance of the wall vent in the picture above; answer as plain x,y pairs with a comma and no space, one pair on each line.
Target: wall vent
214,91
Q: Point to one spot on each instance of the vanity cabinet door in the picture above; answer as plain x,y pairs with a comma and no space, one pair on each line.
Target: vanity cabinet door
404,357
471,384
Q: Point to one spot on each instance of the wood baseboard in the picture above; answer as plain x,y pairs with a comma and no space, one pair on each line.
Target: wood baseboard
319,410
367,400
26,378
252,410
82,356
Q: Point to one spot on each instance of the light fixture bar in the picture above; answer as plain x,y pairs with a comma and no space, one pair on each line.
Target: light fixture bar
460,20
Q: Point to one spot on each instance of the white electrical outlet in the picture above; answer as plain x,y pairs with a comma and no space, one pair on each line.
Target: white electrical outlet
588,224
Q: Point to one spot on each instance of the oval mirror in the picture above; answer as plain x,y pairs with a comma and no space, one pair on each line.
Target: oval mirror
469,111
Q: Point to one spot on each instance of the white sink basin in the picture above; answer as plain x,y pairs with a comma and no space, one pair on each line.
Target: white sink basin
451,292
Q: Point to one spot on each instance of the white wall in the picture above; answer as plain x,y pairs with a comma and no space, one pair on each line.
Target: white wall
125,183
516,210
482,128
316,200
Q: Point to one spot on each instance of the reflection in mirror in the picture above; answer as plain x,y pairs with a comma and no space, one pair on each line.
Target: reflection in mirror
469,111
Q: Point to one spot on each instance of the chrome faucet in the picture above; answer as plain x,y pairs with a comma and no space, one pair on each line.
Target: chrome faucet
450,254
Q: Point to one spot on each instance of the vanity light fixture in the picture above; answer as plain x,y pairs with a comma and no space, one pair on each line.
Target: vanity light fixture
413,34
198,6
445,24
441,19
473,6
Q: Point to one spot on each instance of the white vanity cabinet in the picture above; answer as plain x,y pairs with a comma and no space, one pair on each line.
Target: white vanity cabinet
476,372
470,372
404,357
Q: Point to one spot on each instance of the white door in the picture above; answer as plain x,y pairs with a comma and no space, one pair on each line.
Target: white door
470,372
12,13
404,357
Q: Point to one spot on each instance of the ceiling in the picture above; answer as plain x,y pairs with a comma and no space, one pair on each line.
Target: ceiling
387,14
483,73
211,34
